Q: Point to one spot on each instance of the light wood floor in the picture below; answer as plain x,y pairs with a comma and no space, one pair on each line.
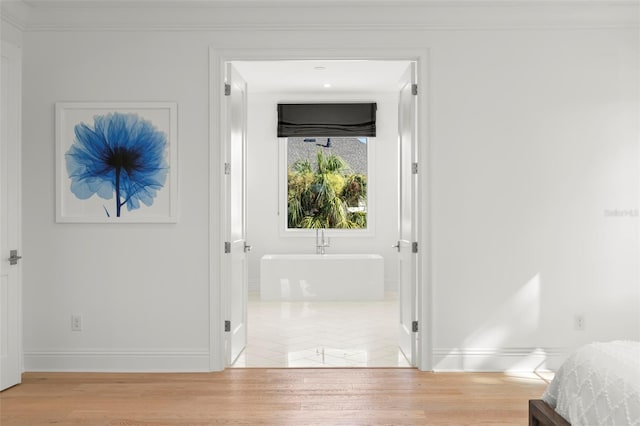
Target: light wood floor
271,396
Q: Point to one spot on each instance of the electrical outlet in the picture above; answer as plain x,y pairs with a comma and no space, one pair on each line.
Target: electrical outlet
578,322
76,322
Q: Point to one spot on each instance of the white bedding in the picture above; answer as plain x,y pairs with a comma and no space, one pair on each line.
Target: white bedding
598,385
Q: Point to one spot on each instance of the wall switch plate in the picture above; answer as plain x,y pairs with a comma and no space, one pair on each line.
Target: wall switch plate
76,322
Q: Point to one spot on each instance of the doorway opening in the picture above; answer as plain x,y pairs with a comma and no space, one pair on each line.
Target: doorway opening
310,332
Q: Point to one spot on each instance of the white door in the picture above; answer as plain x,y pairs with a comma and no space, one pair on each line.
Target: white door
10,293
407,274
235,264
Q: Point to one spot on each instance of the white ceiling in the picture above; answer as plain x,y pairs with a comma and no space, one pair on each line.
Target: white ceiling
311,76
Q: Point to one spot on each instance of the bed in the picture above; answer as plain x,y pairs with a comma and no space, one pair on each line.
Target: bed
599,384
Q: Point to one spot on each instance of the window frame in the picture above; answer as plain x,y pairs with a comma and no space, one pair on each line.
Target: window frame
283,189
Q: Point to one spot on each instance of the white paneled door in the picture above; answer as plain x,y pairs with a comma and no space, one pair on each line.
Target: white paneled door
407,244
236,248
10,287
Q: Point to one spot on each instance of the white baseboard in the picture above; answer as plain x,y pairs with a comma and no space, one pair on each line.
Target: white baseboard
117,361
498,359
254,286
445,360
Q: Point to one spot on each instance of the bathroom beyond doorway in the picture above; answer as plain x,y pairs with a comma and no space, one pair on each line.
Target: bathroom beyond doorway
263,149
322,334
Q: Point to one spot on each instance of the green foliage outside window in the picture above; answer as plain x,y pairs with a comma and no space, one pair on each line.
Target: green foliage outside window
327,197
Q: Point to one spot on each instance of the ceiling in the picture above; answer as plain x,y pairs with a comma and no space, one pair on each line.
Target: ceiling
343,76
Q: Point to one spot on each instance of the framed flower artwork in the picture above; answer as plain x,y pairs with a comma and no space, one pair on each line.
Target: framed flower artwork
116,162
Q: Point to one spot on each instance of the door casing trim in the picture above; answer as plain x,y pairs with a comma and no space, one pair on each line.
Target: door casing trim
218,57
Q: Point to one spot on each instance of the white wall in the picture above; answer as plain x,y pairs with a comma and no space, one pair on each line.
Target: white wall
142,289
533,137
264,223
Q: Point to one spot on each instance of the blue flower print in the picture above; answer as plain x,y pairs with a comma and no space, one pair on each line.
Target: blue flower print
121,153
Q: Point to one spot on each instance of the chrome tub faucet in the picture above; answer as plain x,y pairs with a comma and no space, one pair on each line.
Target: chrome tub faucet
321,242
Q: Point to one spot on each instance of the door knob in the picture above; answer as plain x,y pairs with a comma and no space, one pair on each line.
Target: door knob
247,247
396,246
13,257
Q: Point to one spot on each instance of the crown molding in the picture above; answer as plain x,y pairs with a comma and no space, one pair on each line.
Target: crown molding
11,20
14,13
329,15
319,28
308,3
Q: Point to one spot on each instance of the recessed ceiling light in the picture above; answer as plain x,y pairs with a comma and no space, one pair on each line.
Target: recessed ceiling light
326,85
319,68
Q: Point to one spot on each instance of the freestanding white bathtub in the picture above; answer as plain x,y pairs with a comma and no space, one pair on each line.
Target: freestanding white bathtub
322,277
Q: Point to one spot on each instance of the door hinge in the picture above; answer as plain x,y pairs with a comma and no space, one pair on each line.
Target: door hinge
414,168
13,257
227,247
227,326
414,247
414,326
227,168
414,89
227,89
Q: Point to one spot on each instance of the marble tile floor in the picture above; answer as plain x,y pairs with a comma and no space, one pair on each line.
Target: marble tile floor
322,334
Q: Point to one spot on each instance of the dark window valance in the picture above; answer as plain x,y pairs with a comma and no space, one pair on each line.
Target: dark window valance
339,119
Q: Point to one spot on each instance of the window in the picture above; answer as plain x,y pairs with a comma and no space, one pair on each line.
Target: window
327,184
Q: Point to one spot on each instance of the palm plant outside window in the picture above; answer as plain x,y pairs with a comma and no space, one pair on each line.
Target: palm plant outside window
327,183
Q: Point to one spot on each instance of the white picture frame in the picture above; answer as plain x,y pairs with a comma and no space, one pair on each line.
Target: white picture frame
139,140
